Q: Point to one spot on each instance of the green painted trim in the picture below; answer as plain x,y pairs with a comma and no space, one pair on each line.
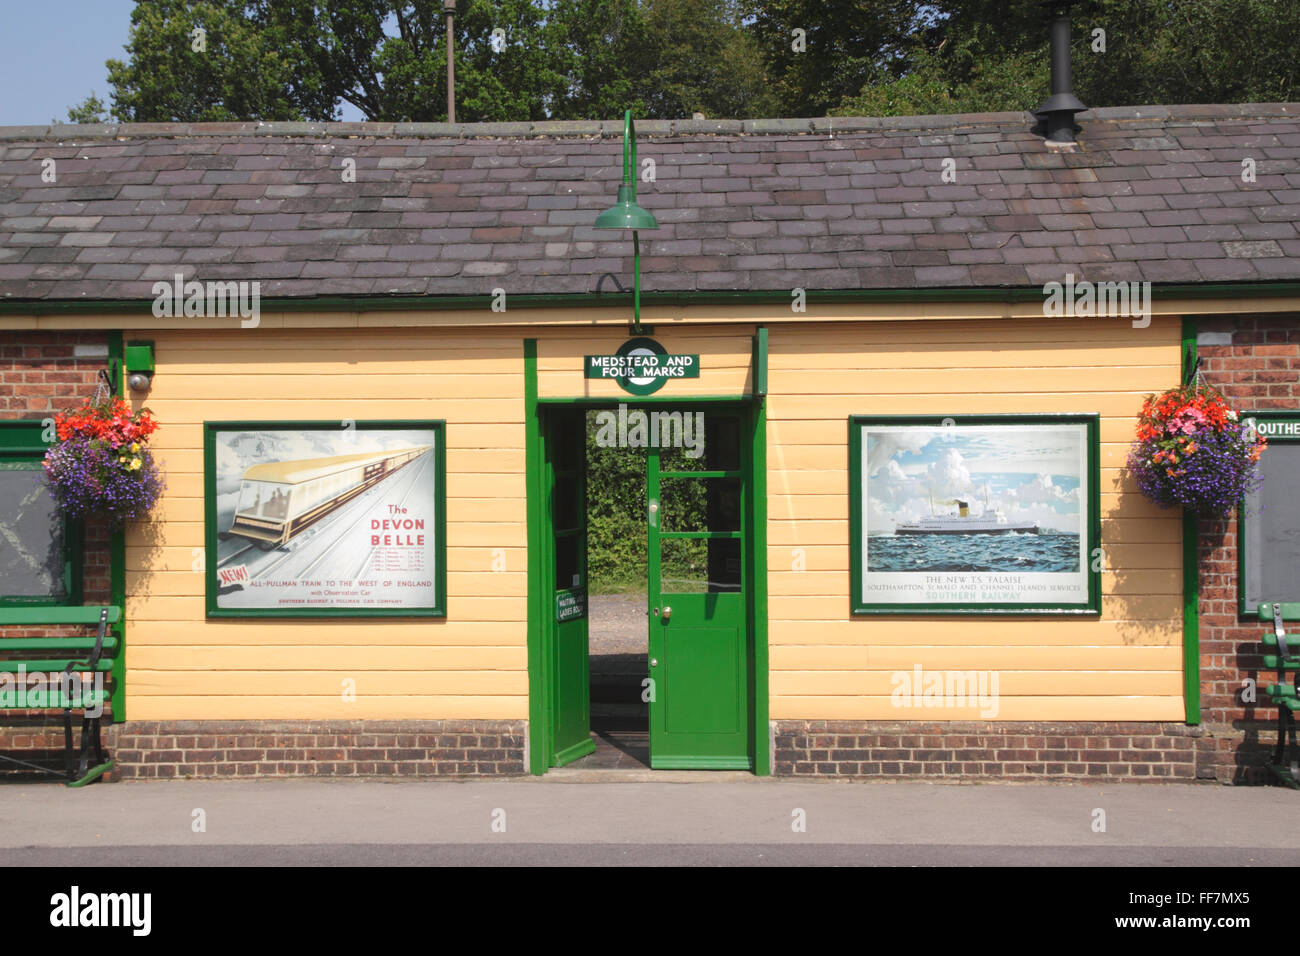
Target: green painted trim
1092,607
210,431
539,713
117,550
580,749
644,400
483,302
758,588
1244,530
703,763
758,387
1191,571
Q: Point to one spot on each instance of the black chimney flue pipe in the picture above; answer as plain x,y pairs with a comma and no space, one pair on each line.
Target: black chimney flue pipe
1057,113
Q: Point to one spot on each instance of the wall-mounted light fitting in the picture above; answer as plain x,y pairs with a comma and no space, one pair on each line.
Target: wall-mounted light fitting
139,366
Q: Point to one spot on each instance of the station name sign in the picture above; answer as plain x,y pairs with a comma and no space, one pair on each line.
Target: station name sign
641,366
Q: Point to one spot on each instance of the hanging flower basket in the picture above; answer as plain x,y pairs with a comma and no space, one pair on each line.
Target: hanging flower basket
101,466
1192,450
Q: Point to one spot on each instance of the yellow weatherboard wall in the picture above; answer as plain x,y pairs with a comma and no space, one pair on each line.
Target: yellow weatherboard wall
824,664
471,665
1127,665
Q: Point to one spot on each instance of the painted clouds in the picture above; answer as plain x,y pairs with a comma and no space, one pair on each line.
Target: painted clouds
1028,472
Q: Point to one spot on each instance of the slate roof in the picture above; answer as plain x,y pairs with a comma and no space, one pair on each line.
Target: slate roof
1152,193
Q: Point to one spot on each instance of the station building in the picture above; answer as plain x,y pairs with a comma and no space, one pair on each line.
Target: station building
898,361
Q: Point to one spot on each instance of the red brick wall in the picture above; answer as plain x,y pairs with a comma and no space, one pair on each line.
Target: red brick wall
1260,369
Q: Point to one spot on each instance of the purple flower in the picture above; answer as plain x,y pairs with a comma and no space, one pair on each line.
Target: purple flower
1209,480
89,478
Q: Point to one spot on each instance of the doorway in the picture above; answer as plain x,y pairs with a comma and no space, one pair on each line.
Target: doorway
695,532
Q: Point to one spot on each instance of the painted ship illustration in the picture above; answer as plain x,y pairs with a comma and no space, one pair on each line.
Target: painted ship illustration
990,521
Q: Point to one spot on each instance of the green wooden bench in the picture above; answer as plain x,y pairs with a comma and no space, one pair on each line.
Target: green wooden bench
1285,659
62,661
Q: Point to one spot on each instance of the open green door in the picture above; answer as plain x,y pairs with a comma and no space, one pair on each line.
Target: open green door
700,659
564,450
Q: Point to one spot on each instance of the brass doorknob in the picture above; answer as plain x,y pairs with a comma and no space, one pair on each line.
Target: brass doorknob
668,612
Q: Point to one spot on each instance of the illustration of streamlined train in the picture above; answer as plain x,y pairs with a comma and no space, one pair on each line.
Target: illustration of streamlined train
279,499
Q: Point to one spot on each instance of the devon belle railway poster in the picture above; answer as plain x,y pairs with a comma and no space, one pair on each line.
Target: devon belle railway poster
345,518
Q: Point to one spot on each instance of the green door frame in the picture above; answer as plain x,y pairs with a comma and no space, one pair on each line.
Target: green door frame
541,633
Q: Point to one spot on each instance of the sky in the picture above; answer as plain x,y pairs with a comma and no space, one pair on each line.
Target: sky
52,56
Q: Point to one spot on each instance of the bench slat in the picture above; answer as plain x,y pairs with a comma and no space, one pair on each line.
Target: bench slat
1290,611
57,700
11,667
14,616
1270,640
8,644
1271,661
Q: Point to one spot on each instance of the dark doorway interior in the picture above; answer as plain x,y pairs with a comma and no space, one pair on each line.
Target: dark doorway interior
617,621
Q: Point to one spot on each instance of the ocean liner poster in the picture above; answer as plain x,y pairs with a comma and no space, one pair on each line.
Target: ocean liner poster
325,518
979,514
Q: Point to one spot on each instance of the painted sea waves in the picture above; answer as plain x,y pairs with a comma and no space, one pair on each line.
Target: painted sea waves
1046,551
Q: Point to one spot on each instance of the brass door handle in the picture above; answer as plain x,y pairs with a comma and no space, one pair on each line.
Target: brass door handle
668,612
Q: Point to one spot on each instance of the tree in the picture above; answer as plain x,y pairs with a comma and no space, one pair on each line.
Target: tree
509,65
980,55
217,60
89,110
603,45
818,52
698,57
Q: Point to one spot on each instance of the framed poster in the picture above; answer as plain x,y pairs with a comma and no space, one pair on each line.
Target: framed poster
974,514
325,519
1268,523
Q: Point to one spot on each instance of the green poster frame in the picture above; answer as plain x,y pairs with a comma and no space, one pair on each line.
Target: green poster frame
860,607
210,431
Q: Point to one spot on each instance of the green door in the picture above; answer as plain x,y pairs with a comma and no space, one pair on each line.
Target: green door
701,666
564,450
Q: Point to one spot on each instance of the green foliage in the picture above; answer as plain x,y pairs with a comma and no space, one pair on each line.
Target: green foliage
616,514
698,57
987,55
288,59
849,43
597,42
932,86
403,77
1193,51
579,59
616,519
89,110
250,61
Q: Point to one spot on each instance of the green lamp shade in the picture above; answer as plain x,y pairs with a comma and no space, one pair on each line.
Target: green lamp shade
625,214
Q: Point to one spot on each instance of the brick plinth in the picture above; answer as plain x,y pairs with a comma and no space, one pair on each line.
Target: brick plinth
1003,751
170,749
363,748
